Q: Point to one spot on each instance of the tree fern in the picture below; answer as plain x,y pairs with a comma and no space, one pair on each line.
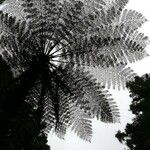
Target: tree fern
54,45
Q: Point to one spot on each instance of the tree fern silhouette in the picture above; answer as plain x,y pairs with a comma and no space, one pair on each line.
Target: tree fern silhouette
52,48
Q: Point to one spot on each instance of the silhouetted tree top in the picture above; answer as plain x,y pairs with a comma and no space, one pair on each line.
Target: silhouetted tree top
137,134
52,46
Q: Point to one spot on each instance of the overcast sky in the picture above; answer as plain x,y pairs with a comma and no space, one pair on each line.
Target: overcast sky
104,134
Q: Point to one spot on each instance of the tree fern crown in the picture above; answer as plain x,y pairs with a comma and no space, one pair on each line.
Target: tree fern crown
56,49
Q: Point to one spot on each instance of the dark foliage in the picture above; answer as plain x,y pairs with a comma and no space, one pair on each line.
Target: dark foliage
1,1
19,127
137,134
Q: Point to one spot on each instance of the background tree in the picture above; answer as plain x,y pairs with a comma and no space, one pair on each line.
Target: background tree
137,134
51,50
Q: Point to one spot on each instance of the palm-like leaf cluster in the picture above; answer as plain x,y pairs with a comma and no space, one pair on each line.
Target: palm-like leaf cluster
51,50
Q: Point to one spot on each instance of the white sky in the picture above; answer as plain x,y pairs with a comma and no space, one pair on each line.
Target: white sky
104,134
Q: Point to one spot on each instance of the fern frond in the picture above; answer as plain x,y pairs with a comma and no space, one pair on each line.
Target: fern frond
57,23
90,96
14,9
104,12
131,20
114,10
108,49
113,76
65,114
10,26
136,39
69,116
81,124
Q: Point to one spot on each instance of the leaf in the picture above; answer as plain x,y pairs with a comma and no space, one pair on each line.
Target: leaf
115,77
81,124
104,12
131,20
106,49
90,96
